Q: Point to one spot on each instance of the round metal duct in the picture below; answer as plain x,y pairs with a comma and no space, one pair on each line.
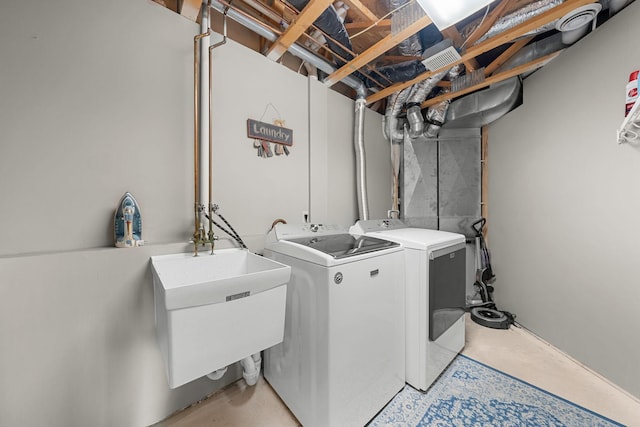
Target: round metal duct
575,23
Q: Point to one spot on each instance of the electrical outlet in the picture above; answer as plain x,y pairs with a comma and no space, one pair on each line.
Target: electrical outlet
305,217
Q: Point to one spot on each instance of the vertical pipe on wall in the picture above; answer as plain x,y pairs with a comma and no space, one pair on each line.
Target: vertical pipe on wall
210,236
361,167
196,139
205,155
211,208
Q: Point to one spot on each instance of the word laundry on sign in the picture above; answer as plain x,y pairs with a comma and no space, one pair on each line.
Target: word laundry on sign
264,133
268,132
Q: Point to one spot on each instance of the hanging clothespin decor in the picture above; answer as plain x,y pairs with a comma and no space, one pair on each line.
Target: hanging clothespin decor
265,134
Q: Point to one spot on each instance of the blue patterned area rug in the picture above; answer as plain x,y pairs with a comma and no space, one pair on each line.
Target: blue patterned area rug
469,393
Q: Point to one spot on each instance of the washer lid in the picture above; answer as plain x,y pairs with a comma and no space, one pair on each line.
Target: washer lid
421,238
341,246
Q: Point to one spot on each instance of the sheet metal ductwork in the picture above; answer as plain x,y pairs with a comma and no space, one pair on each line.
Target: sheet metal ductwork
534,51
441,181
483,107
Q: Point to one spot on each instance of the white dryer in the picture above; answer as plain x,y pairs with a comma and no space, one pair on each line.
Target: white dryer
435,291
342,357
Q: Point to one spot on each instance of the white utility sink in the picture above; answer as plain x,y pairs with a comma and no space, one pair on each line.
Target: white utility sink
189,281
214,310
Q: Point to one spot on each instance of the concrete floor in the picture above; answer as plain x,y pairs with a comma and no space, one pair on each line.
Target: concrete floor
515,351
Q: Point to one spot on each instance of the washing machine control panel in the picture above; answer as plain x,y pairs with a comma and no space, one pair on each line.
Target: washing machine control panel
293,231
368,226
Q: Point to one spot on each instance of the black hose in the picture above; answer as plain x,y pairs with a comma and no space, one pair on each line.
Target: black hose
230,234
238,238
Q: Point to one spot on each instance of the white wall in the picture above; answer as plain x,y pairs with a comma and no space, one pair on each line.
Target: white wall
96,101
333,158
564,203
252,192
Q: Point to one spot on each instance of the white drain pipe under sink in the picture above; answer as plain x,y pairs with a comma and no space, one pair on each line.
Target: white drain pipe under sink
251,367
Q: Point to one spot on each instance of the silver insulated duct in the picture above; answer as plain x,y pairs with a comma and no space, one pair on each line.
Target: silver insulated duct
518,17
361,165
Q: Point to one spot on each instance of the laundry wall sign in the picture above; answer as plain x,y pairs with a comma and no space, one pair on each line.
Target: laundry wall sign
268,132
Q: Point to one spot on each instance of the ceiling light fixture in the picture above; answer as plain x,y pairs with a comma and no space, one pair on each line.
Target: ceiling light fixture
446,13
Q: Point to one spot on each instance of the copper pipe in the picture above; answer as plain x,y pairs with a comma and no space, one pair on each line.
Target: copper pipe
196,139
211,236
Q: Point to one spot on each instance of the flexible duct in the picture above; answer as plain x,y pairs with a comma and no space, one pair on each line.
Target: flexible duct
435,117
411,46
518,17
392,128
361,166
419,93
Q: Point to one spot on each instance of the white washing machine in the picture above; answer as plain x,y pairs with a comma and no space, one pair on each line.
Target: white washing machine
435,292
342,357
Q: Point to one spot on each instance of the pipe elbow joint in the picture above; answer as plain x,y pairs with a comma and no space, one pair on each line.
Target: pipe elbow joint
392,130
250,370
416,122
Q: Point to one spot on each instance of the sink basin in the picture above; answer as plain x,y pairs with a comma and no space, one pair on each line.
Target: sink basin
214,310
189,281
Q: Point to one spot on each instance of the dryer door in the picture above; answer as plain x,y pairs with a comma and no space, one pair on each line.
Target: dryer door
447,288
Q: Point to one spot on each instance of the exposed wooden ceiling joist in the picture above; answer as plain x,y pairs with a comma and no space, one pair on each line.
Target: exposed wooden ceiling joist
504,56
453,34
190,9
489,44
354,27
376,50
394,59
524,68
488,22
357,7
307,16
